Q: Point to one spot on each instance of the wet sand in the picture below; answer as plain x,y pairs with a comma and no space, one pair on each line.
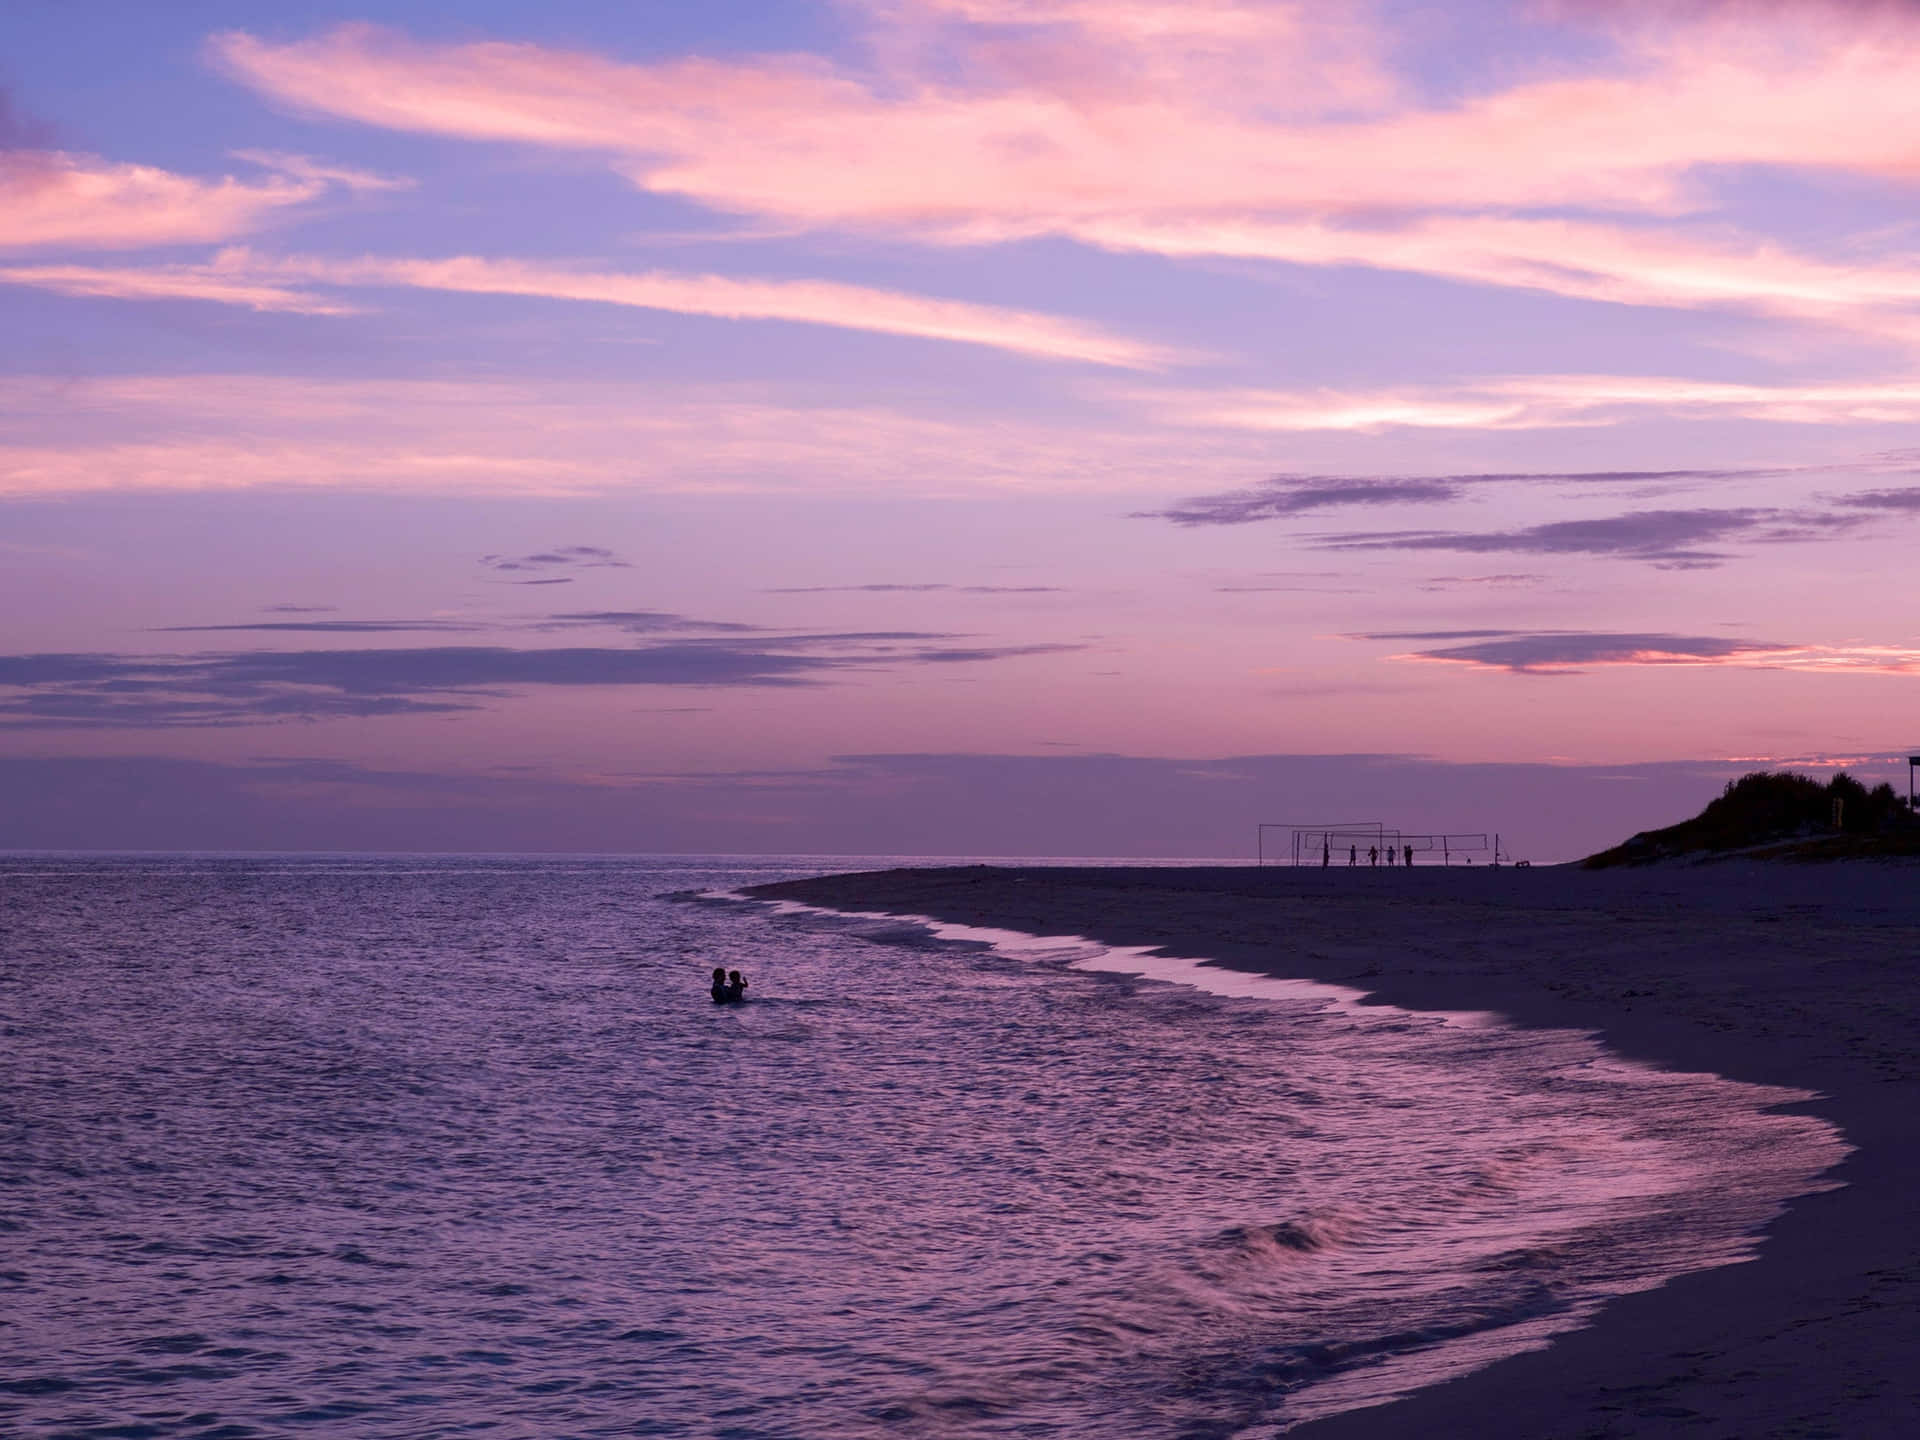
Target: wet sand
1798,975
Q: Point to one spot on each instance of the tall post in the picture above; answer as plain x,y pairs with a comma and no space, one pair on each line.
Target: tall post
1912,760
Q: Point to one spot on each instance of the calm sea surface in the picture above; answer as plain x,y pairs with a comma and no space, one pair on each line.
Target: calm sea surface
403,1147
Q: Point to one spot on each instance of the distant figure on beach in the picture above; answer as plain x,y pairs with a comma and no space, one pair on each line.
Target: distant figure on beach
720,992
1373,854
1353,854
1409,855
1393,853
736,987
1326,853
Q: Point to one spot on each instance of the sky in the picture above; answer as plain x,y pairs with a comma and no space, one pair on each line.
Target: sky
998,427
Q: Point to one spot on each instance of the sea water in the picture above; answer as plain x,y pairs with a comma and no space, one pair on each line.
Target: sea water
404,1147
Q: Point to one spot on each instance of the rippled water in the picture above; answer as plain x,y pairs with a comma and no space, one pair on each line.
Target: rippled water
386,1148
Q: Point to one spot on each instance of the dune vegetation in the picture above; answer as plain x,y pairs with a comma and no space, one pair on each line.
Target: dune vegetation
1781,815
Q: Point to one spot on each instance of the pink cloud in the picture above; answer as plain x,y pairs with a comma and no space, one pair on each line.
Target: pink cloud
1270,131
239,277
813,302
1571,653
178,282
1544,402
320,172
1057,116
231,432
52,198
1057,127
1629,265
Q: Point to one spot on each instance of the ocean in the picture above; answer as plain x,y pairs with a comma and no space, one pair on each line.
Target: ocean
430,1146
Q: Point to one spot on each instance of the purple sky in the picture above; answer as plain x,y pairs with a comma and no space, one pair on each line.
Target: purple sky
952,426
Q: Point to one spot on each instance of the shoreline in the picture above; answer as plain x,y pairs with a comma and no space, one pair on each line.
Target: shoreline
1795,976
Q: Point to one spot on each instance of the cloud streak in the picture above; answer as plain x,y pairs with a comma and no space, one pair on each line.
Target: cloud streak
1579,260
561,557
83,202
93,691
330,627
210,432
1572,652
1275,131
261,282
917,589
1074,112
1282,496
640,622
177,282
1544,402
1669,539
1287,495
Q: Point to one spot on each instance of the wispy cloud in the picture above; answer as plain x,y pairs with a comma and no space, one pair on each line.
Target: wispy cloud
916,589
1278,131
1581,260
1285,495
323,172
261,282
268,686
1544,402
561,557
175,282
332,627
1671,539
1569,652
1668,537
212,432
1499,580
1432,634
1282,496
1040,116
632,622
1906,500
50,198
811,302
639,622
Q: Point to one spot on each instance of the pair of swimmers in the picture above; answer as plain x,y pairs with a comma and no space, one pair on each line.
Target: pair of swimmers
728,990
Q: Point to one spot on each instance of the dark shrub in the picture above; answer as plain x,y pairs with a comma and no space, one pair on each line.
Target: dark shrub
1775,806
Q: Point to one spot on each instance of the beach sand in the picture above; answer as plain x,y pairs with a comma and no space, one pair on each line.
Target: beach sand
1798,975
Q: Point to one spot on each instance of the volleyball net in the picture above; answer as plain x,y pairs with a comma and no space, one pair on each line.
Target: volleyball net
1373,843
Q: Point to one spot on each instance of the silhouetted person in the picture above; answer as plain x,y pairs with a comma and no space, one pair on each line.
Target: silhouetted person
1409,855
1373,854
736,987
720,992
1353,854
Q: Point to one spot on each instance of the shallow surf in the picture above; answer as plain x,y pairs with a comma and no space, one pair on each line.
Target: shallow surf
384,1148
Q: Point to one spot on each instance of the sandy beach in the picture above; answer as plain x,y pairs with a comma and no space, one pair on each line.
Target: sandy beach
1792,975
